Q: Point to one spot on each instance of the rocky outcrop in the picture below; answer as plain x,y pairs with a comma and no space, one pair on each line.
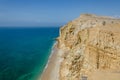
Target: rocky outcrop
90,43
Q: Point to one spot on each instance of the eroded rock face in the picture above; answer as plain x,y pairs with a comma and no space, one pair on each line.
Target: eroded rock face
90,43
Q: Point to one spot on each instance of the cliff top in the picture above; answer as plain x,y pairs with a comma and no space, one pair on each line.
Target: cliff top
91,20
96,16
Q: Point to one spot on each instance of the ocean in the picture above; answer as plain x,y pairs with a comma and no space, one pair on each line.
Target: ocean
24,52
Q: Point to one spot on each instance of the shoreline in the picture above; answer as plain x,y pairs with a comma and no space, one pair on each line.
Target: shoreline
51,54
51,70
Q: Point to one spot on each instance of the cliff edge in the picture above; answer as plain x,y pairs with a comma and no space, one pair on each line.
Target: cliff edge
91,46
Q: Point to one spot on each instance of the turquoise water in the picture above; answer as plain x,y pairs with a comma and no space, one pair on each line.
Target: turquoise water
24,52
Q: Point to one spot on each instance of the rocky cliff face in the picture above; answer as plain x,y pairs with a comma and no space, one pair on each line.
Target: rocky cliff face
90,43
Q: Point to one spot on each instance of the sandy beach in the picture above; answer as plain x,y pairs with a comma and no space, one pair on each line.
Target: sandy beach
51,71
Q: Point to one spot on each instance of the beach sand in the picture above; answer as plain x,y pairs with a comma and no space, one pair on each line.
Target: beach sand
51,71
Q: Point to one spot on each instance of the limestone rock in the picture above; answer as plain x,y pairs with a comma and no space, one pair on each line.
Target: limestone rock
90,43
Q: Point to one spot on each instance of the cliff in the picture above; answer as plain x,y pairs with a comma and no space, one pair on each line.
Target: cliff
91,46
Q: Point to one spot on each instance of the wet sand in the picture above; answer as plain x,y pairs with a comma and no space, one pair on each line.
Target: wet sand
52,69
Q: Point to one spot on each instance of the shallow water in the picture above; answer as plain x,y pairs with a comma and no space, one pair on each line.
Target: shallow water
24,51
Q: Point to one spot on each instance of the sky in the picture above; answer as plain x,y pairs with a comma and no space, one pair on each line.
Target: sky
52,12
